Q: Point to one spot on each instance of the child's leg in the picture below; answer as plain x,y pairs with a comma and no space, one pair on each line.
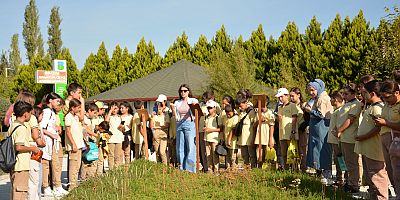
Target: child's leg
74,164
156,144
46,172
209,155
303,141
56,164
245,154
235,158
229,159
284,147
252,155
127,153
118,154
111,155
339,173
33,185
379,179
163,150
19,184
215,156
100,162
351,160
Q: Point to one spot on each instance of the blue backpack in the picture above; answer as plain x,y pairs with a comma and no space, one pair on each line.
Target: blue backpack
93,152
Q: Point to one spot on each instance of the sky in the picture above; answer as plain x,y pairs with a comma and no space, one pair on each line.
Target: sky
85,24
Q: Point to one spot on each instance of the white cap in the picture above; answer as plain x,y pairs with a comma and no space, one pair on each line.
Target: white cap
101,105
281,92
211,103
161,98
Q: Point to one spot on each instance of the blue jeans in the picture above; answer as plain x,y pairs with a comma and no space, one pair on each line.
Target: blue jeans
186,145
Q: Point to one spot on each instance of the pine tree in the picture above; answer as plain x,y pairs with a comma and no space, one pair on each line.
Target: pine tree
232,71
102,66
31,32
221,41
72,70
91,77
127,63
116,66
332,43
313,61
54,31
201,52
14,57
258,45
355,49
4,64
145,60
181,49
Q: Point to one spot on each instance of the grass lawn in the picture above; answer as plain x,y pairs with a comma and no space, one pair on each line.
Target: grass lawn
148,180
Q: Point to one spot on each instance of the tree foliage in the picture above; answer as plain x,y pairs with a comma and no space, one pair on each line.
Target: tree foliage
14,57
54,31
33,40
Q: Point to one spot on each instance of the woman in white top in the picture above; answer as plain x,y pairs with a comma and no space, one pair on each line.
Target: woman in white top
185,129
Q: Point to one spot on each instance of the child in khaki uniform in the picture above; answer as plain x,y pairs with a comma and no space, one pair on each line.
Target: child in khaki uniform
211,135
88,168
287,118
267,133
230,138
137,134
346,132
337,102
390,120
160,124
19,176
74,141
117,137
102,143
369,145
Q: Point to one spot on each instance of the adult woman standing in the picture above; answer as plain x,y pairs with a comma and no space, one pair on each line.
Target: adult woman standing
319,152
185,129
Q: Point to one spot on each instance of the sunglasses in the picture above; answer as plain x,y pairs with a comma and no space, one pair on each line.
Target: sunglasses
210,107
184,90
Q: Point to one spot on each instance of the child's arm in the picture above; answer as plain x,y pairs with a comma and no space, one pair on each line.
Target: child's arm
69,135
36,137
346,124
82,113
294,123
271,136
24,149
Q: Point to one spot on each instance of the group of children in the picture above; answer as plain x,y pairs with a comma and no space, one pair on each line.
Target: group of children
364,122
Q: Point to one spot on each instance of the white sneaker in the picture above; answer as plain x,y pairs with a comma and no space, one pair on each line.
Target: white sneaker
47,192
60,191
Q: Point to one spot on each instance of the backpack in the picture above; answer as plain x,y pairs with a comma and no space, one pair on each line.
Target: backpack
8,154
239,126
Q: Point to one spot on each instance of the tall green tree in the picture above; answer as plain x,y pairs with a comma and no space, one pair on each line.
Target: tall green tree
14,57
332,43
128,64
117,66
4,64
145,60
102,66
314,62
72,70
232,71
201,52
356,47
221,41
179,50
91,77
33,40
257,44
54,31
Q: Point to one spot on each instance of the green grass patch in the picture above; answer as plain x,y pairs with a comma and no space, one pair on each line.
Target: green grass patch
148,180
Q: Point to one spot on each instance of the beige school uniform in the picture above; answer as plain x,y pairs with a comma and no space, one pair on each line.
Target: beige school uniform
161,136
332,125
265,134
372,147
20,174
230,123
391,113
285,122
248,134
75,158
351,108
211,122
115,142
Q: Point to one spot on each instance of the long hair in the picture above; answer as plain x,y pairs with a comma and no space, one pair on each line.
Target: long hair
298,92
185,86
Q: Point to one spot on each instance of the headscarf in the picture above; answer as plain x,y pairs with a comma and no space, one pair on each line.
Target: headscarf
317,84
